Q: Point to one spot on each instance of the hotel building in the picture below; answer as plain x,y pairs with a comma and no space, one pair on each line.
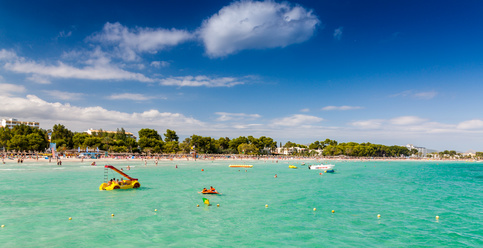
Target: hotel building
94,131
10,123
422,151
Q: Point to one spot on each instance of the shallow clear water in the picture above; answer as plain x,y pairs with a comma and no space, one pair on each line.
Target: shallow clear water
38,198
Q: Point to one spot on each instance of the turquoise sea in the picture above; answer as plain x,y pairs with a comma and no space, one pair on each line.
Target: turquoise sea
37,199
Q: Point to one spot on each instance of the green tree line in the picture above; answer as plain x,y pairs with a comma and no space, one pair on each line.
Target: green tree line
353,149
25,138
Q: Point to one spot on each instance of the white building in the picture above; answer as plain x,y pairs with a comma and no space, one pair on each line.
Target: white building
94,131
10,123
288,151
422,151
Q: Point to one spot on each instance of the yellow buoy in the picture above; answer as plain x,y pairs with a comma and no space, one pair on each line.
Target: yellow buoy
266,205
315,209
70,218
112,215
217,205
333,211
3,225
378,216
197,205
155,210
437,217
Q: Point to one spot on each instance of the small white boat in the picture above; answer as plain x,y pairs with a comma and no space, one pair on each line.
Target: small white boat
326,167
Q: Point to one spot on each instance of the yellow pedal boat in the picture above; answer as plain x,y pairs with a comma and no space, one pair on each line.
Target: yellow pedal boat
292,167
129,183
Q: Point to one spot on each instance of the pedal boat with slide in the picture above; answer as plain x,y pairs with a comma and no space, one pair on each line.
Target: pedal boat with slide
129,183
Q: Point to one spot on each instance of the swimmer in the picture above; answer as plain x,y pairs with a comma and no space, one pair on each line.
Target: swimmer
275,176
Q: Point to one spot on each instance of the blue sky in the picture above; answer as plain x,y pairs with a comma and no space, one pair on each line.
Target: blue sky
385,72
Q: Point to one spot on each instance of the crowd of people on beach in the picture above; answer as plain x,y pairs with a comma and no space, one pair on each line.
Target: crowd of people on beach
20,158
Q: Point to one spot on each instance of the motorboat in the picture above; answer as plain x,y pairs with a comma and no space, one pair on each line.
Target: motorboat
325,167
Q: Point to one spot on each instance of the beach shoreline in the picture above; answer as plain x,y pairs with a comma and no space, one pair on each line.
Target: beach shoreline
228,158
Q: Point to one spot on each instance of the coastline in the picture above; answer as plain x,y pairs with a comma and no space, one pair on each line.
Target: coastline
228,158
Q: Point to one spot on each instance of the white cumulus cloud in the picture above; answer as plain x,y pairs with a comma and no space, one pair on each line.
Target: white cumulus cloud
407,120
11,88
426,95
368,124
471,124
330,108
197,81
97,68
63,95
39,79
297,120
81,118
338,33
159,64
130,96
130,42
256,25
235,116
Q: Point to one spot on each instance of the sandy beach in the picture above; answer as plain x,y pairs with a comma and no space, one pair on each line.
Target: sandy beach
229,158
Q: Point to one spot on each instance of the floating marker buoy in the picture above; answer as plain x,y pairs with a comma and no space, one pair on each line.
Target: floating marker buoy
315,209
197,205
218,205
378,216
70,218
333,211
3,225
320,173
266,205
437,217
202,169
112,215
155,210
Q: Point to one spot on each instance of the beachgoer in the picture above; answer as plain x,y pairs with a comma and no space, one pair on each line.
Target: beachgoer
212,189
275,176
204,190
128,167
